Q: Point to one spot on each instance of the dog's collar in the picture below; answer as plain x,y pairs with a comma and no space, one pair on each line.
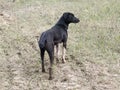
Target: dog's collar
63,26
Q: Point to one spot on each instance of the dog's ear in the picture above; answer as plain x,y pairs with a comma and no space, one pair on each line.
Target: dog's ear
65,15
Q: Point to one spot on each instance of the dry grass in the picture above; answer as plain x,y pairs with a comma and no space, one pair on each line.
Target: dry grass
93,45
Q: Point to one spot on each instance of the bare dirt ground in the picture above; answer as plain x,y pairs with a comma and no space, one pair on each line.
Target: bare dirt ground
20,67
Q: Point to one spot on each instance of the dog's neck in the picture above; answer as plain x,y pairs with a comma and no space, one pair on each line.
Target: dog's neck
62,23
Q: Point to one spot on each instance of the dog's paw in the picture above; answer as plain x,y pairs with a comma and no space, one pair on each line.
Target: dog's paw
43,70
57,60
50,78
63,60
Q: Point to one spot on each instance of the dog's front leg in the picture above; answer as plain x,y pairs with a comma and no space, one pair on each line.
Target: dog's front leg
63,52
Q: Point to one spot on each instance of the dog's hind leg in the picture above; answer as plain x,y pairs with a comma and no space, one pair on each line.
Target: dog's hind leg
42,58
50,51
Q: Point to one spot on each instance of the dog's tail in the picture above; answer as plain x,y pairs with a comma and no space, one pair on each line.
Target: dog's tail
42,40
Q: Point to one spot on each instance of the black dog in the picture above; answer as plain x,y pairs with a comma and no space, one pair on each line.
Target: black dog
57,34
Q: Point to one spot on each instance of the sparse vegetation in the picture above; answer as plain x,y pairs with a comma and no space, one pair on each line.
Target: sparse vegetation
93,54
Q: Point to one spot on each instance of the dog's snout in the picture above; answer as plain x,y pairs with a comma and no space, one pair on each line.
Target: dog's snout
76,20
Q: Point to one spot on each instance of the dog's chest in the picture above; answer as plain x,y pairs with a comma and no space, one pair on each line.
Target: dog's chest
60,37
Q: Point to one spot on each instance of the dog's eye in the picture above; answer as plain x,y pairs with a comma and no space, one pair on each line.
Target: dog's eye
71,16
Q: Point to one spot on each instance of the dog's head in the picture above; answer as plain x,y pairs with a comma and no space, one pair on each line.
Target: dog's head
70,18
